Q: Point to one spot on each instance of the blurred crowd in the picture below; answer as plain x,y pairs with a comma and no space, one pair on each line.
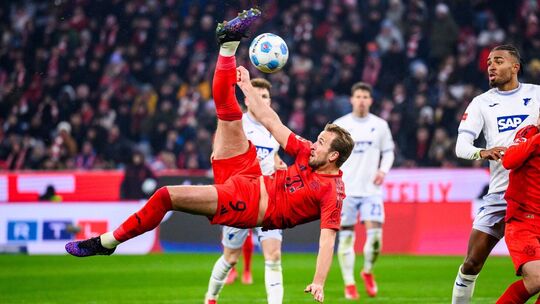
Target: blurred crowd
86,84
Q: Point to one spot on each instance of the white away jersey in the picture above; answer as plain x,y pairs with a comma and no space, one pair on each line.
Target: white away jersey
265,143
372,137
499,114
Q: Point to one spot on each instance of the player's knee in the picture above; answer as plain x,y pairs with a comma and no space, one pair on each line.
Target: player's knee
232,255
472,266
273,255
532,281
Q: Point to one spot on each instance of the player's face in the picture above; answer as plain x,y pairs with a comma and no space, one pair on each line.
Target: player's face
264,94
320,150
361,102
502,68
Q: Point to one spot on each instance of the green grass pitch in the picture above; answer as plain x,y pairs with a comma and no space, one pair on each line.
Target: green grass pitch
182,278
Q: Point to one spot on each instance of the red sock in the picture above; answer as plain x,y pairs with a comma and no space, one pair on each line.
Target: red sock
247,251
223,89
515,294
147,218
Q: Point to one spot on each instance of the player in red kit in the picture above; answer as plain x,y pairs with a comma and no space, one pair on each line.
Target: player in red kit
241,197
522,232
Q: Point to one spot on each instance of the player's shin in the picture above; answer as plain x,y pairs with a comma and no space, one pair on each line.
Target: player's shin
273,280
223,89
463,288
346,255
146,219
372,248
217,278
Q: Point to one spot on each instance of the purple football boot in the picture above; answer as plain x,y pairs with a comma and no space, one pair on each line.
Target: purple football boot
88,247
236,29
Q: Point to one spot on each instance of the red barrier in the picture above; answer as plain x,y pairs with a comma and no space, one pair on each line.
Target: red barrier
424,228
70,185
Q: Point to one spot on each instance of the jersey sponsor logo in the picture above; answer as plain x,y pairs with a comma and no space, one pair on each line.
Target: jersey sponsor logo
361,146
464,117
492,105
526,101
263,152
292,184
508,123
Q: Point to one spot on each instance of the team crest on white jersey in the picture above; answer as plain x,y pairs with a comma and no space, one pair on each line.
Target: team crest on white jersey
508,123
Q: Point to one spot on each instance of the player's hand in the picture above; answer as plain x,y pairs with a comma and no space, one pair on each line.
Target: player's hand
495,153
379,178
242,78
316,290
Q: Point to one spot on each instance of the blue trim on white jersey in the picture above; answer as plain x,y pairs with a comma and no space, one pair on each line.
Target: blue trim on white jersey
506,93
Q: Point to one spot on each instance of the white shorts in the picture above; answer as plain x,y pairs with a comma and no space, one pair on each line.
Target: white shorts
234,238
490,217
371,208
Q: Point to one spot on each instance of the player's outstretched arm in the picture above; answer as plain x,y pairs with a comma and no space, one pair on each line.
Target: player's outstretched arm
466,150
262,112
327,241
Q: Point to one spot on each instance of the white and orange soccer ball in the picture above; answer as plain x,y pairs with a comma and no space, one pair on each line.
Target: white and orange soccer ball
268,53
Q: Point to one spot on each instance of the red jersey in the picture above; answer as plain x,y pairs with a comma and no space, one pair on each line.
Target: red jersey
523,193
299,195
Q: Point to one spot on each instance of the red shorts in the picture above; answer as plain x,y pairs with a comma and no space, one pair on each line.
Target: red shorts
238,186
522,239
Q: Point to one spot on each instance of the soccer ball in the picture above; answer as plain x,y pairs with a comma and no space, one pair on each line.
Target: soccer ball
268,53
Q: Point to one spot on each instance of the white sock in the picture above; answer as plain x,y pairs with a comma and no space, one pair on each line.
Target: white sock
108,241
346,255
463,287
228,49
372,248
217,278
273,280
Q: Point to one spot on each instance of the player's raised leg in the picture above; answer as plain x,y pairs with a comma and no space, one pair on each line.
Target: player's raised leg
191,199
521,291
479,248
230,139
